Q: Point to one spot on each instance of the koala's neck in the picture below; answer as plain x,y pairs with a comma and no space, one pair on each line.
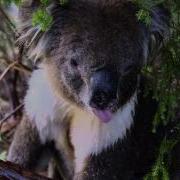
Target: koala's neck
90,136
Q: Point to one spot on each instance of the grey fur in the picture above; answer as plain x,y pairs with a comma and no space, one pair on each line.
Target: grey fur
96,34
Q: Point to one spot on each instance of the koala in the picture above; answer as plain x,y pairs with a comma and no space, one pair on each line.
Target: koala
86,97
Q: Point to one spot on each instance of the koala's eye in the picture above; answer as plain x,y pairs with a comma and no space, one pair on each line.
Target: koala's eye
74,63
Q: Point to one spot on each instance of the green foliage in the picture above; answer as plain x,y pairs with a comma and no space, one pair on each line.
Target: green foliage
42,18
45,2
144,16
160,169
165,83
145,5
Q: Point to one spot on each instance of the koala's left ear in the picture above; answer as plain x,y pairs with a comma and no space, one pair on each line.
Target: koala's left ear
159,31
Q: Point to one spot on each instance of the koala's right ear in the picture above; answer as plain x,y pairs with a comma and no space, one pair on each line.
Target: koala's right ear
25,12
31,37
158,31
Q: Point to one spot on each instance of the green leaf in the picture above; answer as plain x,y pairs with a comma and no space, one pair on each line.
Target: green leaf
144,16
45,2
42,19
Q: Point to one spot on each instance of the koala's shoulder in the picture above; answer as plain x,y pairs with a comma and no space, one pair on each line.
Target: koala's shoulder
39,100
42,106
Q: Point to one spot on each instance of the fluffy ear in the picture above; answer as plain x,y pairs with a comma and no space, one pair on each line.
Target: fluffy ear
159,31
27,33
30,36
27,8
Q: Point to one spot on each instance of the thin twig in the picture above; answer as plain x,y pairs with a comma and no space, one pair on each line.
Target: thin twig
20,67
7,70
24,67
15,78
11,114
12,26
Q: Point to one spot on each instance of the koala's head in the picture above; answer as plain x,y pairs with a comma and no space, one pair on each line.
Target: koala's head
94,53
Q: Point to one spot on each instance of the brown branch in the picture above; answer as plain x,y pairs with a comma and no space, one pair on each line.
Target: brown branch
18,66
7,70
9,170
23,68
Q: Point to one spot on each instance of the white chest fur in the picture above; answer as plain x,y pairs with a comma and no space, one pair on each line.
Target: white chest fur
90,136
44,108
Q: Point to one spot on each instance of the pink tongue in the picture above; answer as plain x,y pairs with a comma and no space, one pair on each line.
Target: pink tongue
104,115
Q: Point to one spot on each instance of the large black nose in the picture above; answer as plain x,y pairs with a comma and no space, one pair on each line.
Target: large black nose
104,88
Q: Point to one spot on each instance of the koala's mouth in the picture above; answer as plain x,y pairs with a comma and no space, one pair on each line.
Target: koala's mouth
104,115
104,110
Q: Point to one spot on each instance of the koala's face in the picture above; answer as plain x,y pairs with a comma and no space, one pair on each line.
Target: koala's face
94,56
